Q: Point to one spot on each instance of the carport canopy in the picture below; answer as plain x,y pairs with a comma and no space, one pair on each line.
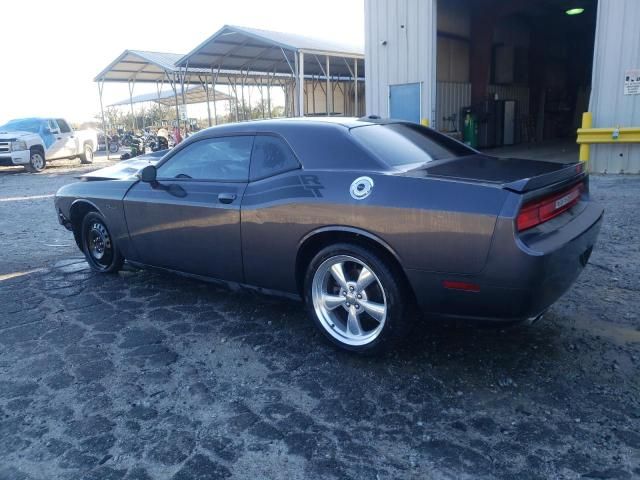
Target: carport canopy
143,66
195,94
255,50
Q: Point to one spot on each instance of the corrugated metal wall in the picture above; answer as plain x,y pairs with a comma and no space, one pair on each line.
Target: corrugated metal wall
513,92
617,48
400,47
343,98
450,98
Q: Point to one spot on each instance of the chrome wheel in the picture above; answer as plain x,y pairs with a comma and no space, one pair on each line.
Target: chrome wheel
37,161
99,244
349,300
88,155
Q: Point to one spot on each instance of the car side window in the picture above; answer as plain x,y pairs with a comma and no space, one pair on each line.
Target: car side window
53,126
64,126
271,155
221,158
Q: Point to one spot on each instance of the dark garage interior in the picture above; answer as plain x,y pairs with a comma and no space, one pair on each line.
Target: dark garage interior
514,72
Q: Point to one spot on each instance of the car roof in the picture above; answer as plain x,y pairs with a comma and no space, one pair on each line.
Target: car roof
322,143
277,124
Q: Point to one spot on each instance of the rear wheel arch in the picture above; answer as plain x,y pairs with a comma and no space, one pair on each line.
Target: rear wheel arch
319,239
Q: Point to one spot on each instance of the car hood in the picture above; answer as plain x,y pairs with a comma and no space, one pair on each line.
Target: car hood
122,170
11,136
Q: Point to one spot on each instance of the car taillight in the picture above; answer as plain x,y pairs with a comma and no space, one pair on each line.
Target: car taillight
539,211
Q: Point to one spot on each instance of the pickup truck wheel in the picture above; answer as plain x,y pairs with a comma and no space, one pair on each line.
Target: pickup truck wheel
99,249
87,155
37,163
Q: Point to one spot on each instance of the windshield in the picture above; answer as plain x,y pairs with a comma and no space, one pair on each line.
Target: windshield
24,125
405,146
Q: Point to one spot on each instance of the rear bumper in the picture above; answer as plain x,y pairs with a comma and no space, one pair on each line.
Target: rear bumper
17,158
520,281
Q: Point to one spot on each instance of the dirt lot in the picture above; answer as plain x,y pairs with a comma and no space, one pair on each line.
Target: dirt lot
145,375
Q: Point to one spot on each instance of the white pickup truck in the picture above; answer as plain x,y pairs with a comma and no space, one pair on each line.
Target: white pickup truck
32,142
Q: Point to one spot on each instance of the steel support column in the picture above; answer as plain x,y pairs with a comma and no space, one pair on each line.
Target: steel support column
355,87
104,124
131,84
301,102
329,89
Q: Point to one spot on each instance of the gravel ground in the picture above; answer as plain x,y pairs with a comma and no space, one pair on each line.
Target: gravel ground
145,375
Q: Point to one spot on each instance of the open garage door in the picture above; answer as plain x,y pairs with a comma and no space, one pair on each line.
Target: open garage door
514,72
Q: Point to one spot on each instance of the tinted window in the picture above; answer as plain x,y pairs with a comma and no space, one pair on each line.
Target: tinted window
271,155
401,145
64,126
224,158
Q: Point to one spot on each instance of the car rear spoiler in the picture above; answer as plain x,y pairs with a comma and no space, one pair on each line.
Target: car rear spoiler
523,185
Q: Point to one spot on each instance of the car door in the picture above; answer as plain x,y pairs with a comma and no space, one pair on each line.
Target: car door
68,137
277,189
189,219
54,141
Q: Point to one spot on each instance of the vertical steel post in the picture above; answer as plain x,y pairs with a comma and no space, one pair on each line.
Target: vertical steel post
327,72
184,104
104,124
244,110
205,86
301,102
355,86
175,95
269,93
248,95
213,84
133,116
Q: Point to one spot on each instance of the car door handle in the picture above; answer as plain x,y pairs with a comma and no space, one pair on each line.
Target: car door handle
226,197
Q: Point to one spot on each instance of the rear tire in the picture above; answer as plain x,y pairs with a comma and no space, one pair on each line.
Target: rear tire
87,155
37,162
99,249
356,299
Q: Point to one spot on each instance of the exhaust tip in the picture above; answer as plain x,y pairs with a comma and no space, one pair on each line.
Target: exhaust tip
533,320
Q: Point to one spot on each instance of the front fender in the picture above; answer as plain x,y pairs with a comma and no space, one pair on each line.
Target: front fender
104,197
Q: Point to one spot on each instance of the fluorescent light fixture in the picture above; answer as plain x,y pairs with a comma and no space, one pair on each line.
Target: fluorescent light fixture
575,11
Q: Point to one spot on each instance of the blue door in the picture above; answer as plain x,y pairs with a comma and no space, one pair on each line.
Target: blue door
404,102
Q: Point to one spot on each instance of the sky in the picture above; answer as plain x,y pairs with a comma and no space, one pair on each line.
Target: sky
50,61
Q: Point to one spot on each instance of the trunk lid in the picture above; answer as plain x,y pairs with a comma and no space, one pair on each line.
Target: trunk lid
515,174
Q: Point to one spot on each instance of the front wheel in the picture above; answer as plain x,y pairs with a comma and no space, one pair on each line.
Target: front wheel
114,147
356,299
37,163
87,155
98,246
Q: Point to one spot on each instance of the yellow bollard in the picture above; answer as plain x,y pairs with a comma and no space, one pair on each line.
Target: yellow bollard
587,122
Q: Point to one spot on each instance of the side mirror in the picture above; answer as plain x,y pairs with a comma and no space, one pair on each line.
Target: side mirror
148,174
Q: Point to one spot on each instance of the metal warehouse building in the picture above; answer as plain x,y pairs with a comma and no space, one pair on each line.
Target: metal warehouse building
519,72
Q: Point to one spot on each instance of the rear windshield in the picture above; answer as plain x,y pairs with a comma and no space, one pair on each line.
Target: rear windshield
405,146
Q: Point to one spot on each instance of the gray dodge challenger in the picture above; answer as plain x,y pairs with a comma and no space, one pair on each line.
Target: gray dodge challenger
367,220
